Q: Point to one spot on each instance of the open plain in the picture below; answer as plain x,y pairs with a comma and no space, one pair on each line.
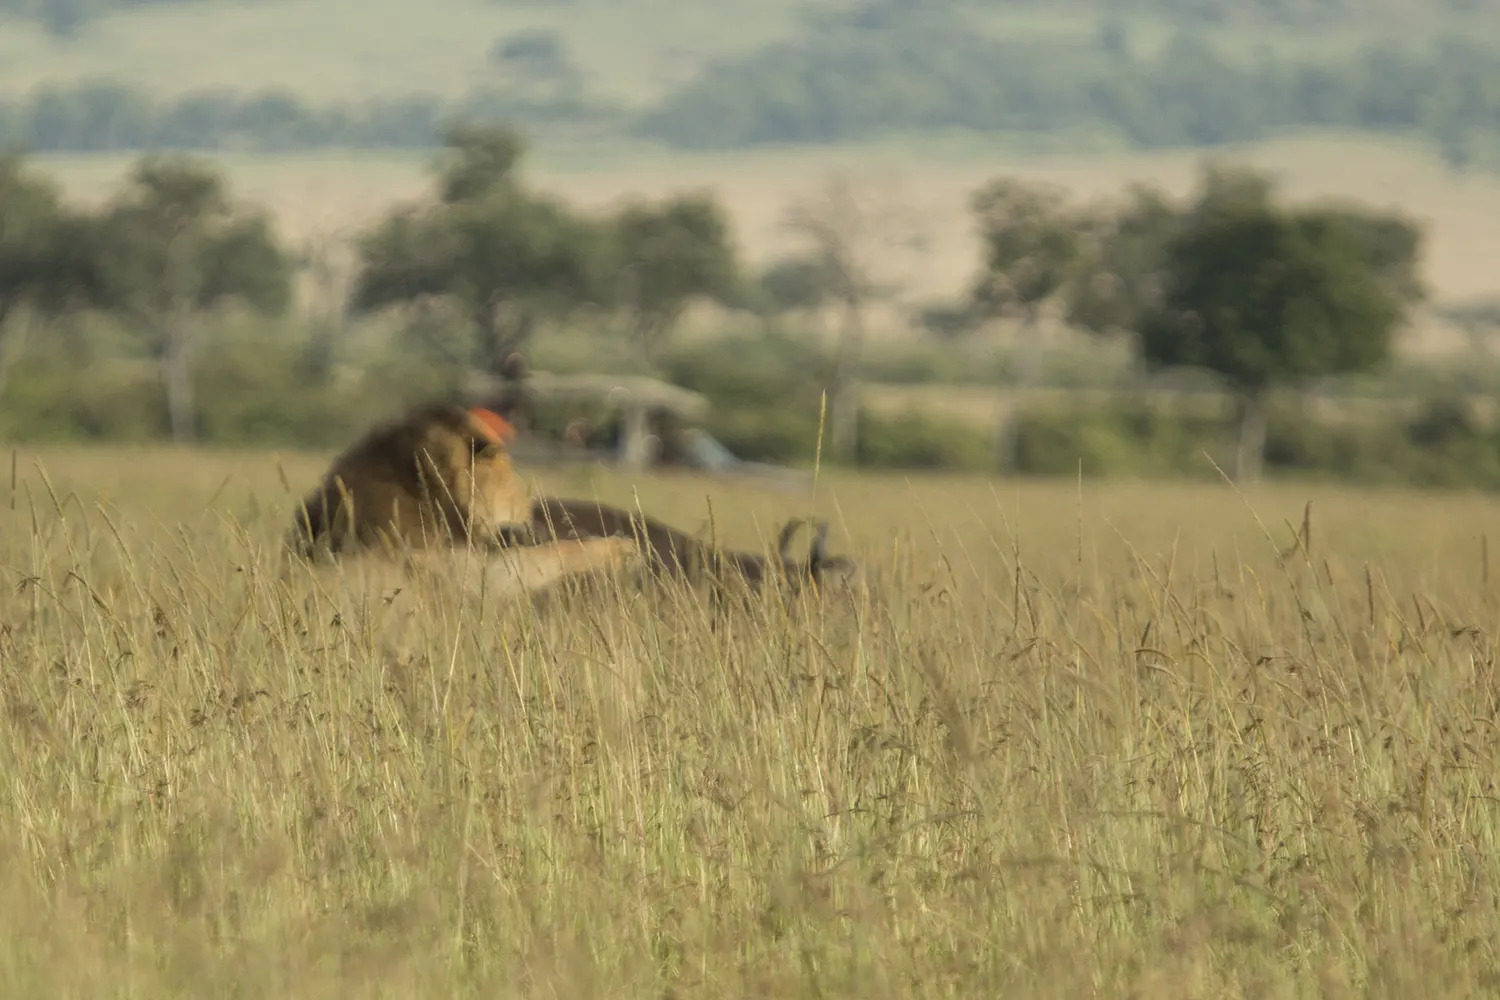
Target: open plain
1113,739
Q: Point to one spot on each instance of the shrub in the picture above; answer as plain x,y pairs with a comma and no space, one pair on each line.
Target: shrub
48,396
764,392
914,440
1123,438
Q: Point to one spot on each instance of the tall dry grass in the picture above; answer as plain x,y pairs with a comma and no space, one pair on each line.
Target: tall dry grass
1083,742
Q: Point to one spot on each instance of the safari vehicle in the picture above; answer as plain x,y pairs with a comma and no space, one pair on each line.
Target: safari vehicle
630,421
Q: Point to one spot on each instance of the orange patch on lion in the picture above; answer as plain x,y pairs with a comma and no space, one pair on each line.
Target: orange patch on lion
499,429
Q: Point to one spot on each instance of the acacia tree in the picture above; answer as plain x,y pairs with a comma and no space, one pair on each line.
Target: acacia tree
847,228
1121,263
795,284
30,208
506,257
1265,296
670,255
1032,243
476,160
174,246
325,262
46,255
1231,282
1120,273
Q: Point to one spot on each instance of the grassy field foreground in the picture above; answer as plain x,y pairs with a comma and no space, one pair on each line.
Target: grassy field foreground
1094,741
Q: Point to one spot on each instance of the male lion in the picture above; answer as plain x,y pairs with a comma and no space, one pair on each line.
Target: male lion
431,491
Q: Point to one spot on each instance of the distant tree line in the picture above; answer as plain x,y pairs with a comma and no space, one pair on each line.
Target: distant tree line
1231,282
850,86
503,261
1294,13
1276,13
474,271
102,117
66,18
936,72
170,247
1262,294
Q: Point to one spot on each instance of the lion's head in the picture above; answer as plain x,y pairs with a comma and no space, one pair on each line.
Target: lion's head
439,474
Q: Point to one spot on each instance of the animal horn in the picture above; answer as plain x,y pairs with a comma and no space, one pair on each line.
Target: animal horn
788,532
818,554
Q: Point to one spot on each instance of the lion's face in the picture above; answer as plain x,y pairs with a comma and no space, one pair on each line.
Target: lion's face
439,473
474,460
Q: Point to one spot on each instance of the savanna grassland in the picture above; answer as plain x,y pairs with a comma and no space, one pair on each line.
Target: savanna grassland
1099,738
1077,740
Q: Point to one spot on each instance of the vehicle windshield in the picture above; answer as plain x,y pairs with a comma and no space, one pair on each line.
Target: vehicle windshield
705,451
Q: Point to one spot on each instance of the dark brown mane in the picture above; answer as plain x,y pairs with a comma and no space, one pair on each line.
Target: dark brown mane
386,459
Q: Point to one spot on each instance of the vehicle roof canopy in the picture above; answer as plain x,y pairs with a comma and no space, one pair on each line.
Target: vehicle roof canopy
611,391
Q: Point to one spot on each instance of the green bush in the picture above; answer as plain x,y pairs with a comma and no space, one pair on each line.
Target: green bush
254,387
767,433
1123,438
251,388
1444,446
924,363
916,441
256,391
765,393
1298,443
1447,446
749,368
48,398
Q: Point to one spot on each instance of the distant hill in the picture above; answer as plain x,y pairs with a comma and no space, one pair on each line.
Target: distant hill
626,52
296,74
72,19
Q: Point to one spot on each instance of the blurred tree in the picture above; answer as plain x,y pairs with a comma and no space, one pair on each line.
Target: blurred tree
174,246
508,258
46,261
1389,243
1033,242
1122,259
794,284
1119,274
849,228
33,224
326,264
669,255
1266,295
477,160
947,319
